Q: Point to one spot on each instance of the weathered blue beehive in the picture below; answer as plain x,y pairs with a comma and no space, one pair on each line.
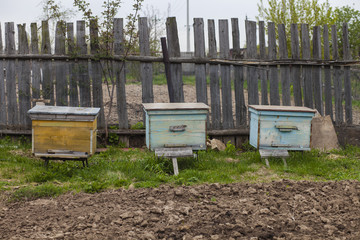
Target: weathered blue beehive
280,127
176,125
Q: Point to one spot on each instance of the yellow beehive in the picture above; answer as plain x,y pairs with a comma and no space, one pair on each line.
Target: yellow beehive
63,132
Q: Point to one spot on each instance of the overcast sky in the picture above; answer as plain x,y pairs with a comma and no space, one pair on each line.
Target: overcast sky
27,11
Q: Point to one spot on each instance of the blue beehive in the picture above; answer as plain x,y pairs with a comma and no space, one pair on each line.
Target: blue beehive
176,125
280,127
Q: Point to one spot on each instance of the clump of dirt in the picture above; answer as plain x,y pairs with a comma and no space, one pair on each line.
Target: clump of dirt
275,210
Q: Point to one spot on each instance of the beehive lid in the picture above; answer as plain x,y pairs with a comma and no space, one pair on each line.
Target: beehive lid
59,112
281,108
175,106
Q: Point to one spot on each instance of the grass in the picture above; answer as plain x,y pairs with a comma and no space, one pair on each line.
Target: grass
23,177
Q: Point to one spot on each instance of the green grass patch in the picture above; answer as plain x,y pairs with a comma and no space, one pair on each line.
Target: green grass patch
23,177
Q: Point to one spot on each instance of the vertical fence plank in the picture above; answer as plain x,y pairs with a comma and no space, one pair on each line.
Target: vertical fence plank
347,80
96,74
72,68
60,66
214,78
251,53
339,115
200,69
308,88
174,51
146,69
228,121
316,71
273,70
35,65
327,73
120,74
47,83
24,79
240,107
12,110
83,67
3,120
263,70
284,70
296,70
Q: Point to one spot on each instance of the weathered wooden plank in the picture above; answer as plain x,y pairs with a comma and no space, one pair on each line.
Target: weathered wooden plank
24,79
200,69
284,70
263,70
96,74
174,51
166,61
214,78
316,71
72,68
240,107
120,74
308,86
12,110
251,53
339,115
327,73
47,83
296,70
347,80
83,67
35,65
60,67
3,110
146,69
273,70
226,97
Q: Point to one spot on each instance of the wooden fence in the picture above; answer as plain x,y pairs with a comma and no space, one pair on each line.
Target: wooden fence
31,72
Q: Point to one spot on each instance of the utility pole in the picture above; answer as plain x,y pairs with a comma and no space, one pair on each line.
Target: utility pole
188,28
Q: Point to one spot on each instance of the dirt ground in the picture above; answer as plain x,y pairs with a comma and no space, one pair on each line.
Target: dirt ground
276,210
133,97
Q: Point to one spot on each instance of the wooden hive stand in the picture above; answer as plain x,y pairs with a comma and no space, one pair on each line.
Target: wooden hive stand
174,153
266,153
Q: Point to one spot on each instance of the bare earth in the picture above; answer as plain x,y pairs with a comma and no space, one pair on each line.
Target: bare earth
276,210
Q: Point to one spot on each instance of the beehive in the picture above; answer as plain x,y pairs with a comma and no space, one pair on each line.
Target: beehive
280,127
176,125
63,132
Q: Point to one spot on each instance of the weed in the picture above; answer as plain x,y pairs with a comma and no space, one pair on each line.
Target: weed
230,148
138,125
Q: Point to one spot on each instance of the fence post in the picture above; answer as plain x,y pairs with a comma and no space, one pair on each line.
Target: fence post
174,51
47,83
120,76
35,64
263,70
251,53
327,73
347,80
83,67
308,88
339,115
316,71
60,66
240,107
24,79
96,73
228,121
13,114
296,70
284,70
146,69
200,69
72,67
214,78
3,111
273,70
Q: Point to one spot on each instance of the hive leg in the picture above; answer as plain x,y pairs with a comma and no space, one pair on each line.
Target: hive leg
175,165
267,162
285,164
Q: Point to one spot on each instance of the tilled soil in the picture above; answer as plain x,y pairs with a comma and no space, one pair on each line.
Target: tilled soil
276,210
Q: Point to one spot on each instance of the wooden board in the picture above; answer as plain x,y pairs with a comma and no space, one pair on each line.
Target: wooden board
175,106
282,108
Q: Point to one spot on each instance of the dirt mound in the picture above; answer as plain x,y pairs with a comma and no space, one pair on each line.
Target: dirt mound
276,210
